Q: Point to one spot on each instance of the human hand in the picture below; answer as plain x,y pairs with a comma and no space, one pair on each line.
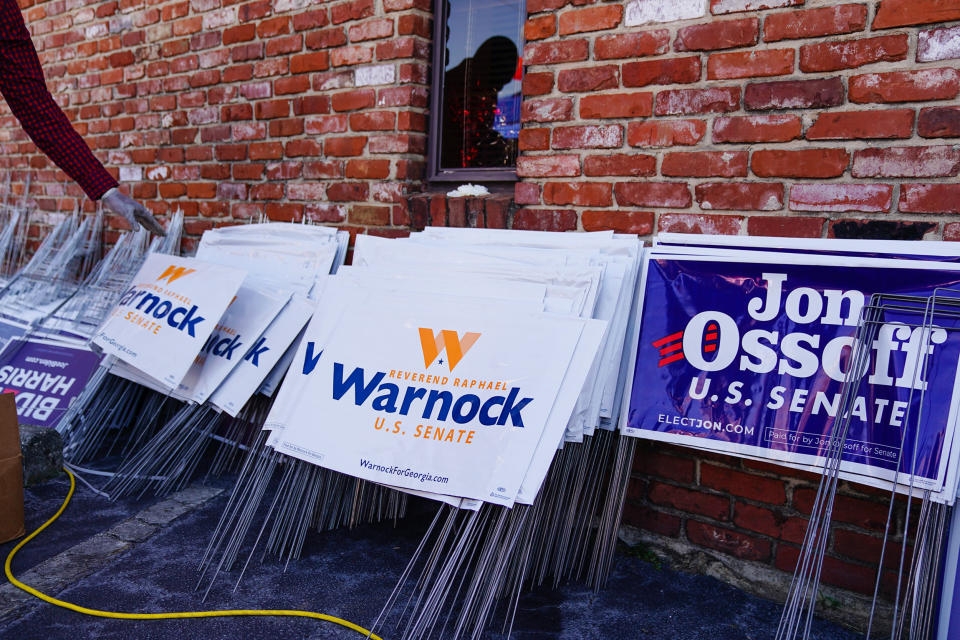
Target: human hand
134,212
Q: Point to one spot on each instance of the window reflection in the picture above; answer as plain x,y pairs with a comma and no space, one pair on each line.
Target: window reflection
481,84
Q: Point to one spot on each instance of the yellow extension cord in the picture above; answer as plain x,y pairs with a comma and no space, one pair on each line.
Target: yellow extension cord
158,616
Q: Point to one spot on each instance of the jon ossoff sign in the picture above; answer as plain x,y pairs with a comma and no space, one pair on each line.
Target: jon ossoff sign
749,357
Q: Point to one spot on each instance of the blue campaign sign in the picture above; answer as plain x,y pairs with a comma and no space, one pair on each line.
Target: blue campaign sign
748,356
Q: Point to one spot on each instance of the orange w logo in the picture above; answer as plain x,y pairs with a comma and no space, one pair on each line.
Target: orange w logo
456,347
173,272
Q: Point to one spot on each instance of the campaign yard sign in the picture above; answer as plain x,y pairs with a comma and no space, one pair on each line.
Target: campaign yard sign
166,315
747,355
46,378
442,397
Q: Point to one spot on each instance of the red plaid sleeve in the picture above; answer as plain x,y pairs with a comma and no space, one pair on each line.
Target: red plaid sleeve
23,87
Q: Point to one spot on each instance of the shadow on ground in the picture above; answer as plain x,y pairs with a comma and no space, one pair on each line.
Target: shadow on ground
349,574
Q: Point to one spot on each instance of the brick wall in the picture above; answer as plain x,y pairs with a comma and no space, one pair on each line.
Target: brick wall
229,109
762,117
779,117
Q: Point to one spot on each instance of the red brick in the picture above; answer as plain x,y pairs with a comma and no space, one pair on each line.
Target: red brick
286,86
537,84
583,194
590,19
631,45
593,78
352,10
846,125
548,166
537,6
306,190
856,511
786,227
545,219
555,52
254,10
939,122
726,34
687,101
617,105
758,519
773,128
401,143
347,191
656,463
747,64
273,27
906,162
402,5
665,133
718,7
353,100
310,20
311,104
369,215
704,164
345,146
750,196
402,97
930,198
674,195
413,25
833,56
326,38
690,501
540,27
373,121
297,148
344,56
588,137
636,165
322,169
401,48
534,139
905,86
802,163
546,110
662,71
650,519
235,112
845,18
869,198
899,13
526,193
794,94
744,485
317,61
371,30
620,221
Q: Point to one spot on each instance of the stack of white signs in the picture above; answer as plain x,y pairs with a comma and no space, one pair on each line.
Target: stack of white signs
47,362
453,364
215,326
744,343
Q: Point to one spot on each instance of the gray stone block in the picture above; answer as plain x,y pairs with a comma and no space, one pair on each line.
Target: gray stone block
42,449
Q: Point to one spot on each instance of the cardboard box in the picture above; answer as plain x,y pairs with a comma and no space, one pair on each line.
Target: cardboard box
11,471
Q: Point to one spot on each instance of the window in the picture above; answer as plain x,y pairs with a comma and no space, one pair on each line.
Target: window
475,101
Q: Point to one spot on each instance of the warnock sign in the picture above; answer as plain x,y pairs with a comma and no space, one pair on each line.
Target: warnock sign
166,315
448,398
748,355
